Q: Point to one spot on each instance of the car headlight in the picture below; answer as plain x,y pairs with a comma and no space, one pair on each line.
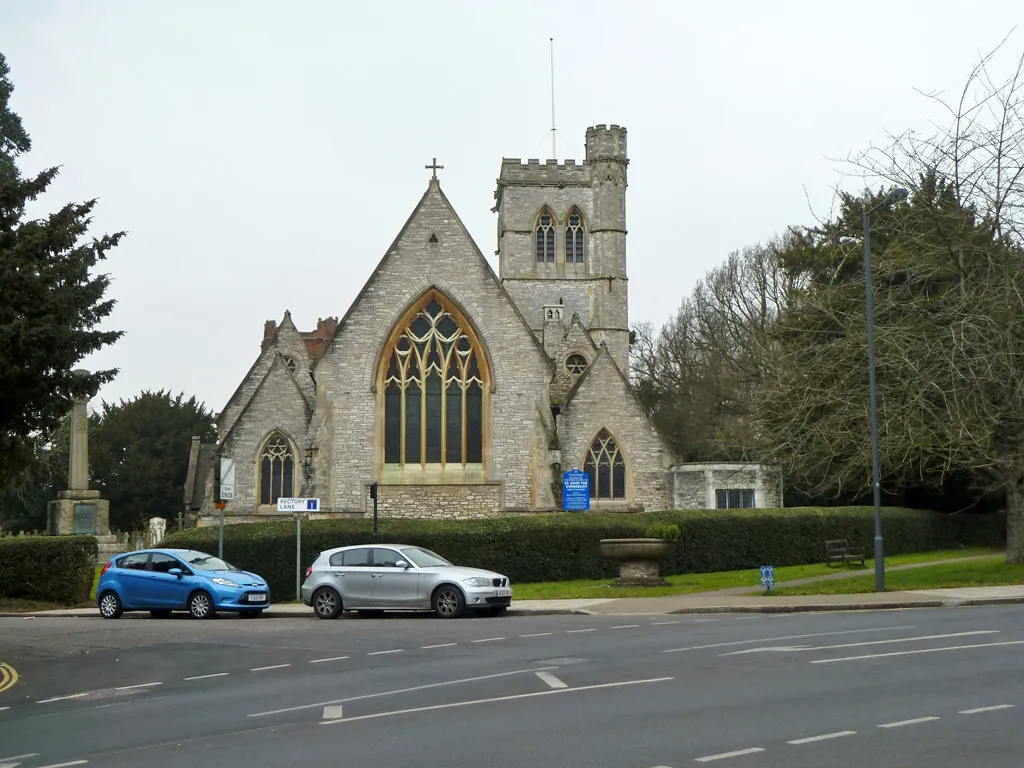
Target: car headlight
478,581
224,582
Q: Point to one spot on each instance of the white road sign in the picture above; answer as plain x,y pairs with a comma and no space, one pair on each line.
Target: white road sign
227,479
298,505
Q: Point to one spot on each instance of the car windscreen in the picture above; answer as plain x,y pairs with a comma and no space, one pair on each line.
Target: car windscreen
204,562
424,558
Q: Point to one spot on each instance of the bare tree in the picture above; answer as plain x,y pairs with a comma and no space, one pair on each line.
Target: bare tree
949,296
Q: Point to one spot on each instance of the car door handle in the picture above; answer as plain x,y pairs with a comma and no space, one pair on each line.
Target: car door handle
376,575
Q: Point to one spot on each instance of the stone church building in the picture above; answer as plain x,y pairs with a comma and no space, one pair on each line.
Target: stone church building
461,392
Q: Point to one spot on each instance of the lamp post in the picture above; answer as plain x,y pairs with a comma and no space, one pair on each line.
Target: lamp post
894,195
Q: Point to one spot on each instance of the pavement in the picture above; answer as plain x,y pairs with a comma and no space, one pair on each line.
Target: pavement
937,687
708,602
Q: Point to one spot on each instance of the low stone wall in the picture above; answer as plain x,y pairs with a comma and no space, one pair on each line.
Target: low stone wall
460,502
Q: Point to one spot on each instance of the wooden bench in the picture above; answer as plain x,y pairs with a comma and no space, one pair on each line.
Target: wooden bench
839,550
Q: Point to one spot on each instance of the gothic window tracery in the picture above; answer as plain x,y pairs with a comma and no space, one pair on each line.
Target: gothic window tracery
545,237
575,238
606,467
434,383
575,364
289,362
277,469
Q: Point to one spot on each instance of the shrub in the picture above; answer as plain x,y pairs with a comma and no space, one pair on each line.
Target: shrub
54,569
560,547
662,530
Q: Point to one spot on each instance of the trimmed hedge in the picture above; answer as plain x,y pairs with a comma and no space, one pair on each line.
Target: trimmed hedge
561,547
53,569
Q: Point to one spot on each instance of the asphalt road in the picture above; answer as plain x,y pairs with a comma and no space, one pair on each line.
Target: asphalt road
889,688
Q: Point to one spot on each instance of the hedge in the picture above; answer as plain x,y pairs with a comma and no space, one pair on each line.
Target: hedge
53,569
561,547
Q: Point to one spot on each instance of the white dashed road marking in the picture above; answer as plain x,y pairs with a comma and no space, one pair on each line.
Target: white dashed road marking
19,757
400,690
577,631
724,755
475,702
204,677
823,737
985,709
273,666
551,680
663,623
133,687
537,634
487,640
786,637
922,650
63,698
381,653
440,645
626,626
332,658
900,723
65,765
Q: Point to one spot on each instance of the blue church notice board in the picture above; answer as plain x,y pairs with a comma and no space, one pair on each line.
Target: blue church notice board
575,491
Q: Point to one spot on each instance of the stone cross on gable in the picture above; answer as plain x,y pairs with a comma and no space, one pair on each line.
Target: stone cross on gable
434,167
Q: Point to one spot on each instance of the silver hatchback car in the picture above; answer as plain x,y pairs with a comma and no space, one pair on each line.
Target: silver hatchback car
396,577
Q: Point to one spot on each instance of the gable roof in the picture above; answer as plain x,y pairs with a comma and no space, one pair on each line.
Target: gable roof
432,186
603,353
273,366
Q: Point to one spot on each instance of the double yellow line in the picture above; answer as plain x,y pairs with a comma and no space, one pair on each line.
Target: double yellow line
8,677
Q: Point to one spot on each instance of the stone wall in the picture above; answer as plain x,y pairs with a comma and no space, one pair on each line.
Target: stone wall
694,484
348,369
603,400
459,502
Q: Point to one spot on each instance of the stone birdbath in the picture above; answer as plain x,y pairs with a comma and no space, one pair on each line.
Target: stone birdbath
639,558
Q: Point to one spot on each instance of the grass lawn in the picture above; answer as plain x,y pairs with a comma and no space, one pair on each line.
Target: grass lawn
988,572
707,582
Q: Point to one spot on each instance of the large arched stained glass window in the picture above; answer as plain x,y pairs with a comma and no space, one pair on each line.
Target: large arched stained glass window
545,237
434,383
277,469
575,238
606,467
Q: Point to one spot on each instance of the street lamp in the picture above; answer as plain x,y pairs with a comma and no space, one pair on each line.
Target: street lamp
894,195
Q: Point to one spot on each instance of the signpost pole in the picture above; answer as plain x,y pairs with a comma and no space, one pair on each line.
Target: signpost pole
220,533
298,555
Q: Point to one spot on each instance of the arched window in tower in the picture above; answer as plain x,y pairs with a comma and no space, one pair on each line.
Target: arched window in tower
575,238
277,469
545,237
606,467
434,380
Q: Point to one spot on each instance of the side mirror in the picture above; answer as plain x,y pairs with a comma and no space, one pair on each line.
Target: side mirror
402,564
175,572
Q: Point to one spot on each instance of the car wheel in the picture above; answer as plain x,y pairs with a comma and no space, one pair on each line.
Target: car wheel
252,614
110,606
448,602
200,606
327,603
161,614
370,614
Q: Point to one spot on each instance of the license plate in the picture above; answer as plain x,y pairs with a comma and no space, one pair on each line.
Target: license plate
257,598
503,592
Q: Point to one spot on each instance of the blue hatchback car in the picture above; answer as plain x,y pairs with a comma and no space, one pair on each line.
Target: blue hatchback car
165,580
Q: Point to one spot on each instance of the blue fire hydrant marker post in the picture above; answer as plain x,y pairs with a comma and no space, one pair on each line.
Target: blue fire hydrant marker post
768,577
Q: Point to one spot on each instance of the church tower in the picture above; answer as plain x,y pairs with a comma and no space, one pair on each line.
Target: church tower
562,241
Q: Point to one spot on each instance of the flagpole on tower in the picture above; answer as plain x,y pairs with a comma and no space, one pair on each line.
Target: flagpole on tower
554,152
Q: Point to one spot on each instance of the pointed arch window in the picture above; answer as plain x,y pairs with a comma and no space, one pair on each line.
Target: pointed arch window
546,238
575,238
434,382
606,467
277,469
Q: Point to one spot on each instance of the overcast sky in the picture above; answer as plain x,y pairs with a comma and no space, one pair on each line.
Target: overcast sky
263,155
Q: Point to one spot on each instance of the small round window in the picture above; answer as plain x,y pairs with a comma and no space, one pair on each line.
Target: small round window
289,362
575,364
